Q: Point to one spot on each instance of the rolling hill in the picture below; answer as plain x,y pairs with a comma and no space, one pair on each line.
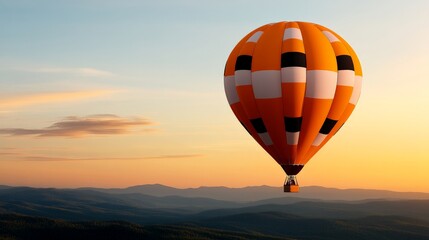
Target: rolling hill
79,205
18,227
47,213
265,225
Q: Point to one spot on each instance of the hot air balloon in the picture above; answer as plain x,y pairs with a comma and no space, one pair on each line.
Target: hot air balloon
292,85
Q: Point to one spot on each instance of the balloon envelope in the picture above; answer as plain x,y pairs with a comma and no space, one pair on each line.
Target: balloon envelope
292,85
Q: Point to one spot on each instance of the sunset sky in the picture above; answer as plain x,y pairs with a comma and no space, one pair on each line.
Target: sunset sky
120,93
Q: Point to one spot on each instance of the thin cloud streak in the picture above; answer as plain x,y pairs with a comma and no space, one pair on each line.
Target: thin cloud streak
34,158
73,126
44,158
49,98
84,71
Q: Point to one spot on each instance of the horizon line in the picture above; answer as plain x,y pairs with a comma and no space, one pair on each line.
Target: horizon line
186,188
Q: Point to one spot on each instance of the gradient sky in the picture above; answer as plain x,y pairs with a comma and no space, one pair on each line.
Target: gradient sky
120,93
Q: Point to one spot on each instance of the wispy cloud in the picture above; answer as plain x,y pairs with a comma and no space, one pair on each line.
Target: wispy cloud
10,152
73,126
54,97
48,158
84,71
15,154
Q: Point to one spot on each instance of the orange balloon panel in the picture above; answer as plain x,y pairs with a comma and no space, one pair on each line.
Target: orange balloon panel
292,85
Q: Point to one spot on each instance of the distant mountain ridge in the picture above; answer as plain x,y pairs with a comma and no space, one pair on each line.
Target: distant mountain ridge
42,213
86,204
256,193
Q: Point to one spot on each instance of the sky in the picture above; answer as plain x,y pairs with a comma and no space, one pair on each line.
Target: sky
122,93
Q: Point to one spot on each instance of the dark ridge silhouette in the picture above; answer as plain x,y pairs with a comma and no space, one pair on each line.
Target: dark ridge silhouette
265,225
280,224
418,209
18,227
